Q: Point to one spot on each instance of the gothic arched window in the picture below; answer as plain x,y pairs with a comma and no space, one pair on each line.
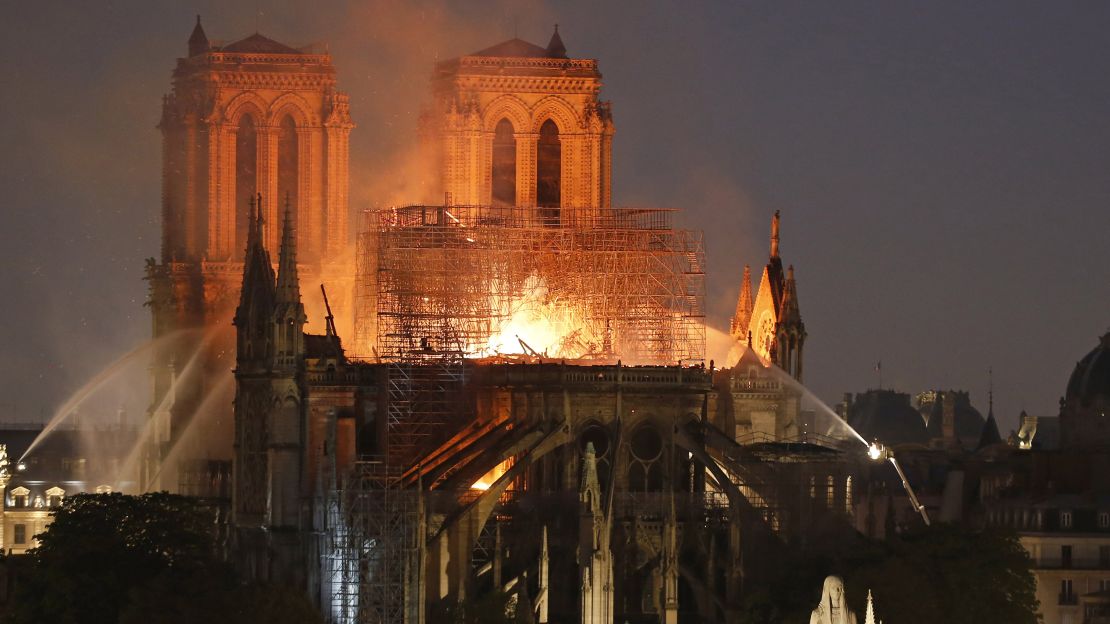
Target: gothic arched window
288,165
246,177
504,164
645,470
549,161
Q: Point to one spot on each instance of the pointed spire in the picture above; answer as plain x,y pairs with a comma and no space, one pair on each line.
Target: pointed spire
555,47
198,41
744,305
990,435
256,296
775,235
789,312
869,617
288,284
254,222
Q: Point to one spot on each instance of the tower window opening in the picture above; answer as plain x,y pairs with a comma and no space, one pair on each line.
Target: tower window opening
246,177
504,164
549,161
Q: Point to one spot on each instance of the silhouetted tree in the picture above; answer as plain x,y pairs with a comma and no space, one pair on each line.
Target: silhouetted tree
112,558
944,573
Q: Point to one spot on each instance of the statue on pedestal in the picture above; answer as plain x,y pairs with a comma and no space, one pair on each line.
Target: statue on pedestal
832,609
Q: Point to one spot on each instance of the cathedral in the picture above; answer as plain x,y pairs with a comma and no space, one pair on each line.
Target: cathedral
615,475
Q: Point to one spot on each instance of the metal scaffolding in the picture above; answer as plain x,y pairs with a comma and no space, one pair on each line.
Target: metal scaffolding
433,285
373,548
441,281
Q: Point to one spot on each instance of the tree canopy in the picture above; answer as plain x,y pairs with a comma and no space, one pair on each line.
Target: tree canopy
943,573
114,558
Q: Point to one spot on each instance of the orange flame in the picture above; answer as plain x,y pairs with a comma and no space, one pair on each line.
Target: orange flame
492,476
540,323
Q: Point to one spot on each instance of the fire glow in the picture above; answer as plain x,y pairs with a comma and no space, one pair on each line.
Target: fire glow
492,476
540,324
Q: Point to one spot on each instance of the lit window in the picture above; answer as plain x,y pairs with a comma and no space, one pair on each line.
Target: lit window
1065,519
103,489
1104,519
848,496
830,494
20,536
54,496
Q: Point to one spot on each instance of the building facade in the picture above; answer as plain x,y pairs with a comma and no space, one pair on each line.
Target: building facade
517,124
249,120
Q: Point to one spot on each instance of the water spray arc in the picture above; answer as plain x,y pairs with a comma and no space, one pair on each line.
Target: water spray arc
191,430
876,451
97,382
149,427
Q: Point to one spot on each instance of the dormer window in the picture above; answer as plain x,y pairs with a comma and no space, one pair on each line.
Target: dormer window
54,496
19,496
1065,519
1104,519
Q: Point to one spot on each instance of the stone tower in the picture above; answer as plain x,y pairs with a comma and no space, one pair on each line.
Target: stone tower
774,321
253,118
517,124
269,322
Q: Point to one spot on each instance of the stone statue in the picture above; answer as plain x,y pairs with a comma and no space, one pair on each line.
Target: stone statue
3,459
833,609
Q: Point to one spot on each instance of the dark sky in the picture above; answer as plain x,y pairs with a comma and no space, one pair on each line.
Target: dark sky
943,168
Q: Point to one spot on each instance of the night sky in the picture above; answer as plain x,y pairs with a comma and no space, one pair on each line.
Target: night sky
942,168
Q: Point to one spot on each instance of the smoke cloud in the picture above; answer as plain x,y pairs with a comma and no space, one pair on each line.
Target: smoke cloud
941,172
